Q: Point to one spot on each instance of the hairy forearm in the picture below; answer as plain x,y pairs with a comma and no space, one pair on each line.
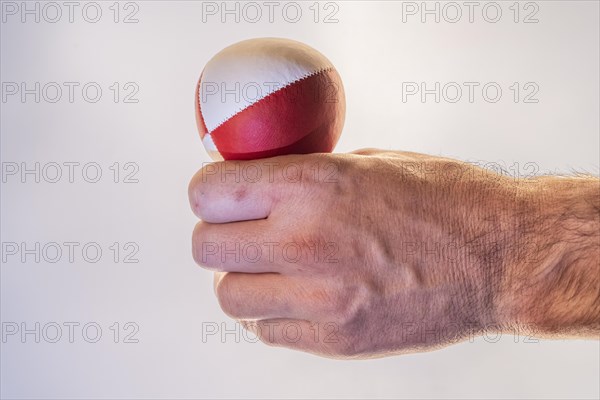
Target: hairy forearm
553,287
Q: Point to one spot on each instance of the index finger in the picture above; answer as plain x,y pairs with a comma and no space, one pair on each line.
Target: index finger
229,191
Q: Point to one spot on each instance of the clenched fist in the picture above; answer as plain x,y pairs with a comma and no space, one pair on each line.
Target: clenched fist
375,253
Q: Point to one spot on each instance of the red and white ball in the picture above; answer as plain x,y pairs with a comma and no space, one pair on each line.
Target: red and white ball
267,97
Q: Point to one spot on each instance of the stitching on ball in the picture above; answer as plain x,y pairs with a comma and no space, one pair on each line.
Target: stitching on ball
317,72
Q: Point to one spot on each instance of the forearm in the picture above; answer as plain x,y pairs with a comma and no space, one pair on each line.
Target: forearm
553,286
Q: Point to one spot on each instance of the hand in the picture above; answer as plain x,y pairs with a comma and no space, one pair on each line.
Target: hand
373,253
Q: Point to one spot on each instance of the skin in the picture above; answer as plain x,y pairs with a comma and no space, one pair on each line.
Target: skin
377,253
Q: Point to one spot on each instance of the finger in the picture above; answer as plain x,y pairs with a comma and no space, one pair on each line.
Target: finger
263,296
321,338
244,246
260,246
234,190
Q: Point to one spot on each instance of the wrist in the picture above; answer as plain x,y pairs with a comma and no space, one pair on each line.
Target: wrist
552,282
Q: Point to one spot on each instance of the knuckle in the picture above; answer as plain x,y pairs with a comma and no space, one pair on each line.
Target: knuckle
350,306
311,247
344,312
341,176
367,151
298,249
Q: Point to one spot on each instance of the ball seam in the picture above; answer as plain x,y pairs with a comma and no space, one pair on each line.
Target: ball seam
317,72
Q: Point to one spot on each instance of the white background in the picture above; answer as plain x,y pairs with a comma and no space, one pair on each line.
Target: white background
165,294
